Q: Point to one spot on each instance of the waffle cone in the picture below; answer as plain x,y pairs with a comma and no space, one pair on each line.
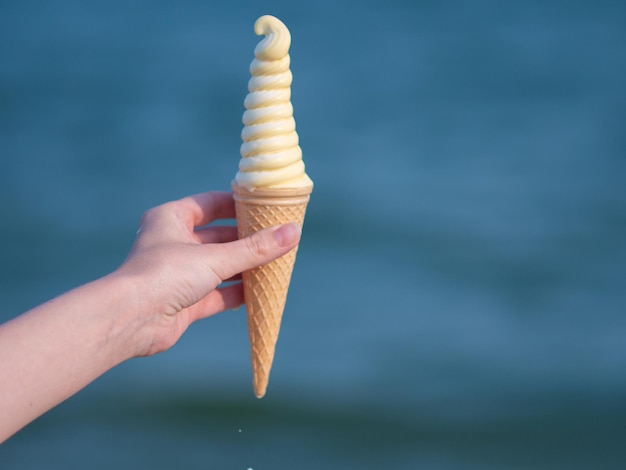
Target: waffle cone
265,288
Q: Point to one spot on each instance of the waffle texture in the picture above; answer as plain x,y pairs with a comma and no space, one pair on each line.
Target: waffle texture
266,287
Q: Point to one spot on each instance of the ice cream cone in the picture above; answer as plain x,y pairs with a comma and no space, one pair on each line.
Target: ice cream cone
265,287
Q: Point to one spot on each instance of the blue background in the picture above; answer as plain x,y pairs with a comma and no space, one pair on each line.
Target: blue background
459,298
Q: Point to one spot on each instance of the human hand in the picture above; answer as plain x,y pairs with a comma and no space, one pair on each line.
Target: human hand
177,263
170,279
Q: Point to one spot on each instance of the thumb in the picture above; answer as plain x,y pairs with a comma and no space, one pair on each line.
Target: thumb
255,250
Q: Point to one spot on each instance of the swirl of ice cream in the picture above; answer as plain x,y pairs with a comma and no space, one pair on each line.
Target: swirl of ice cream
271,154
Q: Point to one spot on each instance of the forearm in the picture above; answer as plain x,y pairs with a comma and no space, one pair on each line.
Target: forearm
56,349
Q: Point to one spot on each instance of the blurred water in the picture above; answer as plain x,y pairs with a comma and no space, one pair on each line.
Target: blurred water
458,300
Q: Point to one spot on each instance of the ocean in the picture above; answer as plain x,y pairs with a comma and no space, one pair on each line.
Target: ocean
459,297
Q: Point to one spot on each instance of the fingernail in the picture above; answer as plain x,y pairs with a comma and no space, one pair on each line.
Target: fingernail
287,234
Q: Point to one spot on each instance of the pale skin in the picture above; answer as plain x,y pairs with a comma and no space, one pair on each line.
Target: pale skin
171,278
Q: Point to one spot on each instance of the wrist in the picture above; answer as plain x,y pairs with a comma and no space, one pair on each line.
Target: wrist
131,304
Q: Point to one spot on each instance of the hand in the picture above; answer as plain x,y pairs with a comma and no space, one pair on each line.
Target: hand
177,263
170,279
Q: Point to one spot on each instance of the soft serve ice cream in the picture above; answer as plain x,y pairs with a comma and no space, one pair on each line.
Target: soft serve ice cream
271,188
271,154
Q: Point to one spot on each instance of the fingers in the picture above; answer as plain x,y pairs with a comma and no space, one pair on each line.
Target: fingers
207,207
179,218
216,234
216,301
257,249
